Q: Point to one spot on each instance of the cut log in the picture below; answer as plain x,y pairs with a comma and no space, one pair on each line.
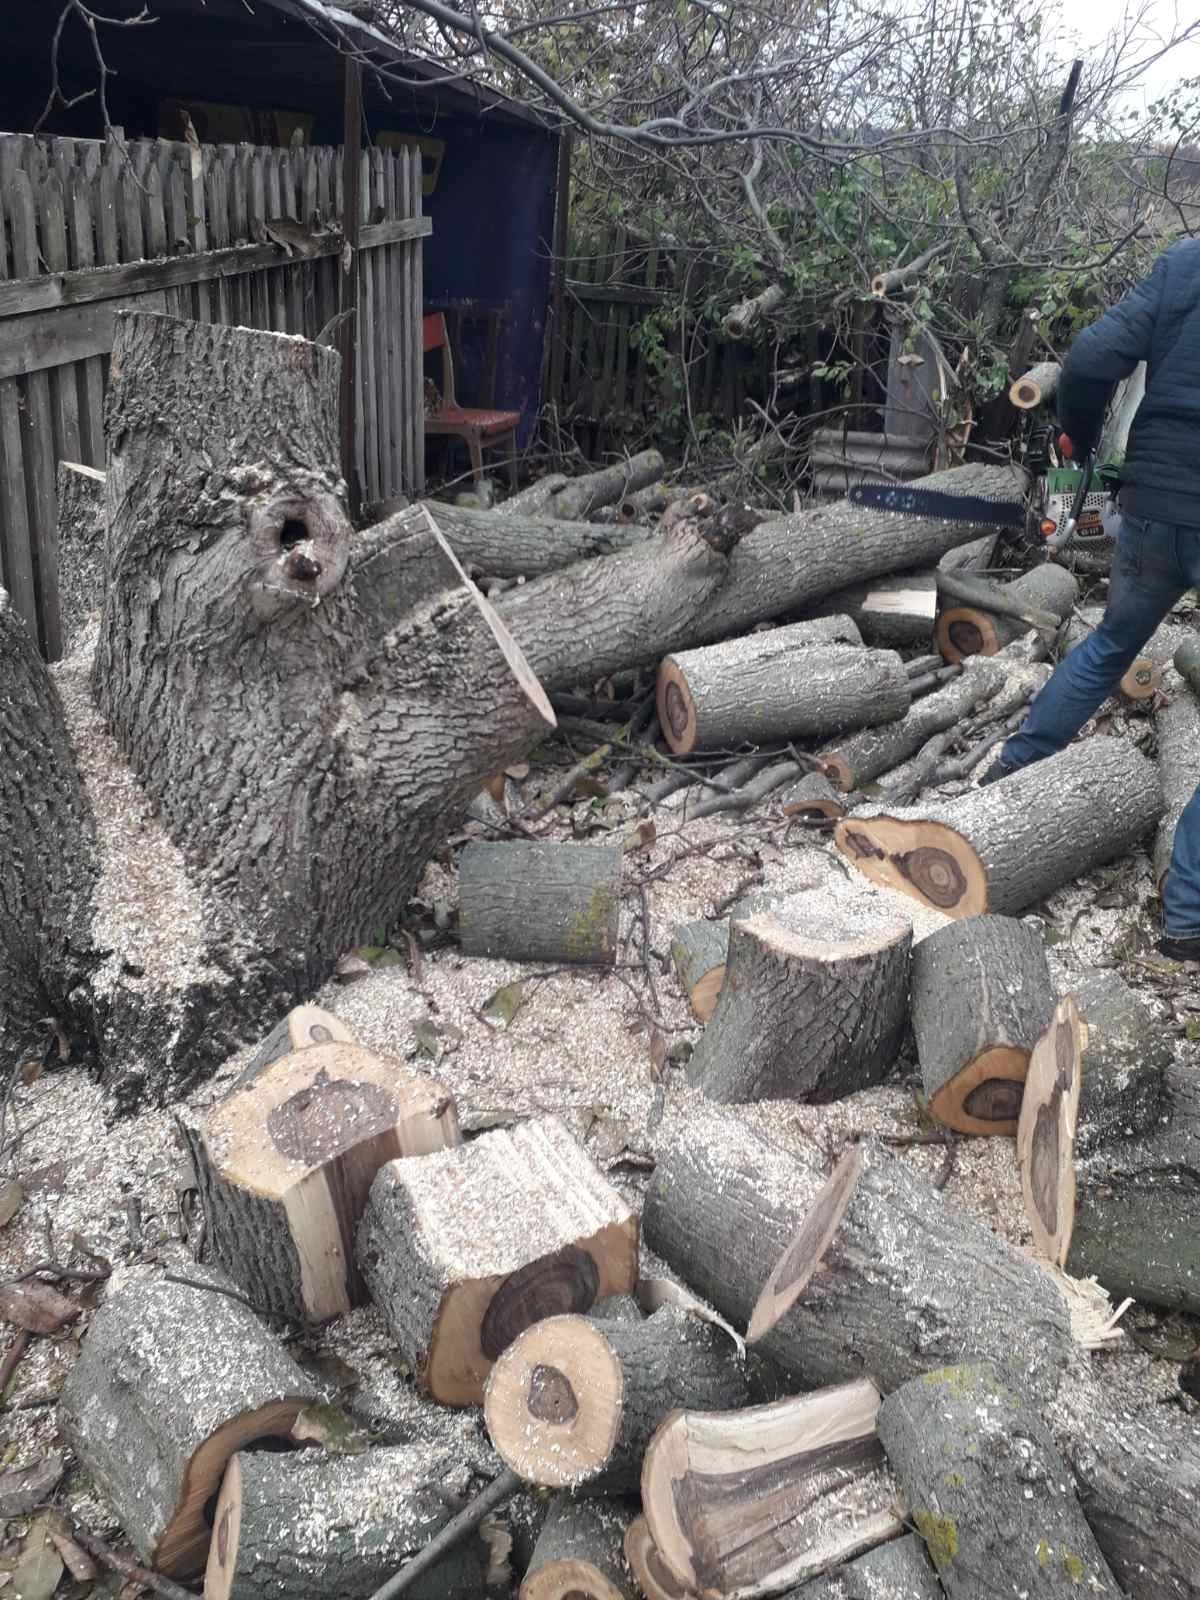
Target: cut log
898,1570
572,1403
303,1027
699,951
521,901
530,500
768,686
813,796
684,588
988,1491
1046,1132
580,1554
1035,387
515,543
284,1167
1136,1204
1186,662
982,997
81,525
587,493
1126,1054
870,752
740,319
897,613
1005,847
177,1377
811,1007
975,630
1177,729
651,1573
744,1503
465,1249
903,1282
302,1525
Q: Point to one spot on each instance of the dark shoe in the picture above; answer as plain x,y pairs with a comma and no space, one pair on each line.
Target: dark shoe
996,771
1179,949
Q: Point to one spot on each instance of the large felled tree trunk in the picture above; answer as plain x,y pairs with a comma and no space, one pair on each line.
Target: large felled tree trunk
305,712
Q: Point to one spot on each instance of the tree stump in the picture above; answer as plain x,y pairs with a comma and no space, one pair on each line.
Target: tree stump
284,1167
894,613
303,1027
699,951
180,1377
972,630
540,902
898,1570
870,752
465,1249
988,1491
811,1008
1005,847
767,686
580,1554
1177,729
813,796
1046,1132
304,1525
572,1402
743,1503
883,1277
81,524
651,1573
982,996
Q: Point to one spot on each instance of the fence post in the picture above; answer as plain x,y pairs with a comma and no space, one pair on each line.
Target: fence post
348,333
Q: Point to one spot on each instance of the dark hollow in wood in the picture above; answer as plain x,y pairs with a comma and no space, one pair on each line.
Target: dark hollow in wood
982,996
580,1553
557,1285
521,901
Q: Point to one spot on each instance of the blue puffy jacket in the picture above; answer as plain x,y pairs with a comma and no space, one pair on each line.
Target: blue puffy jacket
1158,322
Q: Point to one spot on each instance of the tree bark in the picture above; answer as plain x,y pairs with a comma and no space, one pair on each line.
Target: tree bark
675,591
988,1491
1046,1132
654,1578
573,1402
769,686
540,902
533,499
898,1570
743,1503
982,997
580,496
507,543
81,574
1177,727
465,1249
740,319
580,1554
891,613
306,711
303,1526
972,629
1035,387
1005,847
1125,1059
180,1377
811,1008
284,1167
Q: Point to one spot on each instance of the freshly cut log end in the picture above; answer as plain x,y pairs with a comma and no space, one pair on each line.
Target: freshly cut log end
807,1250
181,1376
898,1570
1035,386
813,796
1006,846
284,1167
1046,1132
303,1027
1142,681
651,1573
988,1490
465,1249
810,1008
301,1524
776,685
743,1503
580,1554
540,902
572,1403
982,996
970,629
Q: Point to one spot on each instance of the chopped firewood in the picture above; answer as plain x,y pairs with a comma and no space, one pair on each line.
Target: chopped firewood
743,1503
981,998
522,901
572,1403
285,1164
1046,1132
302,1525
465,1249
813,796
303,1027
580,1554
811,1008
898,1570
1008,845
976,628
1177,732
988,1490
653,1577
776,685
181,1375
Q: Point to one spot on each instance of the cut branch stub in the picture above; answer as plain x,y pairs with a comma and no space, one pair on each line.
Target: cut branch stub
467,1248
1033,387
284,1166
813,796
743,1503
580,1553
981,998
1046,1132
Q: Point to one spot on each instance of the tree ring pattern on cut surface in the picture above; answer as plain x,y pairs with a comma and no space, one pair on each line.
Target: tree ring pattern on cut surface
555,1285
934,873
966,636
677,711
551,1397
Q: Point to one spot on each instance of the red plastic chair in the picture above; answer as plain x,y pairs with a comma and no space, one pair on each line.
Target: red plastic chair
476,428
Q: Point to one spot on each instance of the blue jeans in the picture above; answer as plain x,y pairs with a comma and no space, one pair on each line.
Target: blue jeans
1154,563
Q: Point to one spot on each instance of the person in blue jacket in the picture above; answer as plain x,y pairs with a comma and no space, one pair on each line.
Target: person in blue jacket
1157,556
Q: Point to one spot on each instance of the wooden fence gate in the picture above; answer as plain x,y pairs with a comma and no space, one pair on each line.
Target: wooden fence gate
87,229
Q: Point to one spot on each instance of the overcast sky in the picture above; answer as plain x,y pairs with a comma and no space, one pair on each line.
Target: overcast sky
1087,22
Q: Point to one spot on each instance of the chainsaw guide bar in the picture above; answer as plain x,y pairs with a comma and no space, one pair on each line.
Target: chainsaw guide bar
904,500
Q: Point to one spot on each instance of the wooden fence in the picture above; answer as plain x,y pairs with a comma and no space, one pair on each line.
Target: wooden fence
87,229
